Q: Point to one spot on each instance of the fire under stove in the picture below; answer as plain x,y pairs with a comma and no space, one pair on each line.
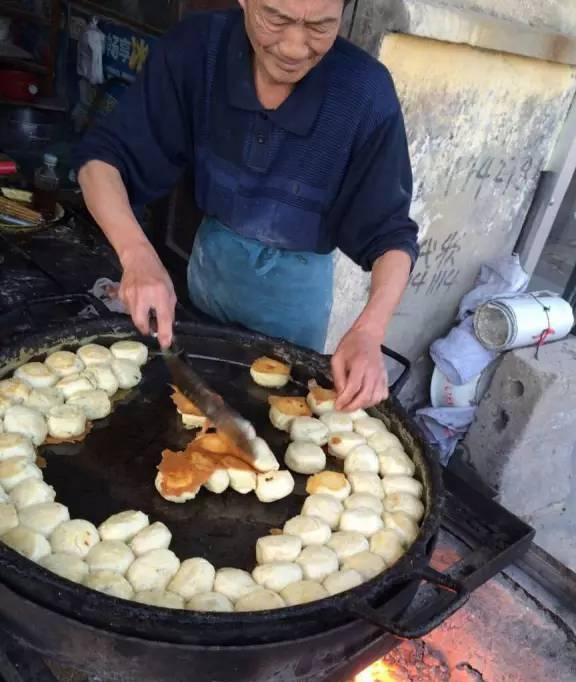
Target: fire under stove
45,277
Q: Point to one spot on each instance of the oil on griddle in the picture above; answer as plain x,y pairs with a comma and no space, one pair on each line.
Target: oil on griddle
114,469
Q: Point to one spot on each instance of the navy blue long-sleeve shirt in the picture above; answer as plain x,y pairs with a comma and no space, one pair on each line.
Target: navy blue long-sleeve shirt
329,168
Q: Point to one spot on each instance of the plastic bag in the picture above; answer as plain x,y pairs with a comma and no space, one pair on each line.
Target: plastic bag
445,427
90,54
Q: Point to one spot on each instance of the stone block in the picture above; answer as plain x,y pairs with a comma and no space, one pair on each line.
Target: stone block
523,440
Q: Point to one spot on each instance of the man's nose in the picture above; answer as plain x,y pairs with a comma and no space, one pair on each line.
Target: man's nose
294,44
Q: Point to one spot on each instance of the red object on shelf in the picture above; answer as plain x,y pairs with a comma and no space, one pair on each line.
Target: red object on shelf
8,167
22,86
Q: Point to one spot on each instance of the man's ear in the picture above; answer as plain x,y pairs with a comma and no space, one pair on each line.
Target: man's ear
242,4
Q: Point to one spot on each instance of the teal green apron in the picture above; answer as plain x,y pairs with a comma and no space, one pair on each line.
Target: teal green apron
284,294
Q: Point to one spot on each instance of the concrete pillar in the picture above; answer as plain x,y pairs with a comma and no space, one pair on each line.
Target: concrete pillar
523,441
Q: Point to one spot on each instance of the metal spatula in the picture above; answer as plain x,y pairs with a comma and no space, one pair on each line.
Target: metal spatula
210,403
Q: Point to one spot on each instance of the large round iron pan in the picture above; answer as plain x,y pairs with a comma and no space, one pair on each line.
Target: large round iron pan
114,470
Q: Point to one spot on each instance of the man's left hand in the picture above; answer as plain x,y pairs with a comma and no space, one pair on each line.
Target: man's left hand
359,372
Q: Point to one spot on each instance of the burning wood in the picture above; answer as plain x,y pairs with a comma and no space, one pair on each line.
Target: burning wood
378,672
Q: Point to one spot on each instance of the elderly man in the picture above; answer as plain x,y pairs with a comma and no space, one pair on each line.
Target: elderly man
298,147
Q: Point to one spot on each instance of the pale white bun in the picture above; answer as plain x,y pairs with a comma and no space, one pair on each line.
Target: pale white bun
74,383
160,599
66,421
72,568
103,378
193,421
184,496
155,536
363,482
358,414
123,526
242,481
364,521
210,602
111,583
15,470
317,562
134,351
329,483
303,592
405,502
402,484
36,375
278,548
368,564
368,426
27,543
310,430
44,518
310,530
27,422
110,555
14,390
362,459
337,422
342,581
364,501
8,517
305,458
341,443
284,409
75,537
31,492
347,543
320,400
274,486
270,373
325,507
16,445
264,459
195,576
402,524
395,462
247,428
260,600
153,570
382,441
128,373
234,583
278,575
218,482
44,399
94,354
4,405
95,403
64,363
387,544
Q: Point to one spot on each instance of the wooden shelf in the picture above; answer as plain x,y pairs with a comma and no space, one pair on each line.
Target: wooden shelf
32,17
24,65
105,13
42,103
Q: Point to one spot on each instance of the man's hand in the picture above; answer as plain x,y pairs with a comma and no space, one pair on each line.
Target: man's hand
146,287
359,372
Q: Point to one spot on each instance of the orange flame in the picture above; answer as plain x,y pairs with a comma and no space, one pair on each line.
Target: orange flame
377,672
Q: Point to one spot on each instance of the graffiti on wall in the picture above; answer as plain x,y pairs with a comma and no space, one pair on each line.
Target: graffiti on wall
480,178
437,266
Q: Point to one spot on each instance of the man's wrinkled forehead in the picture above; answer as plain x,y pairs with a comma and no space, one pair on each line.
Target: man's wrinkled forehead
310,11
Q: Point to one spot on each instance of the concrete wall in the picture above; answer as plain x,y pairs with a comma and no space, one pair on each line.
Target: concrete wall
481,125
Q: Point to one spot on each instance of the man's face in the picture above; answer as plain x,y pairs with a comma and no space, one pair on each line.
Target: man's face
290,37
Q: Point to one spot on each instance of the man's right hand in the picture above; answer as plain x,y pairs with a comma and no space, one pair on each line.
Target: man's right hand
145,287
